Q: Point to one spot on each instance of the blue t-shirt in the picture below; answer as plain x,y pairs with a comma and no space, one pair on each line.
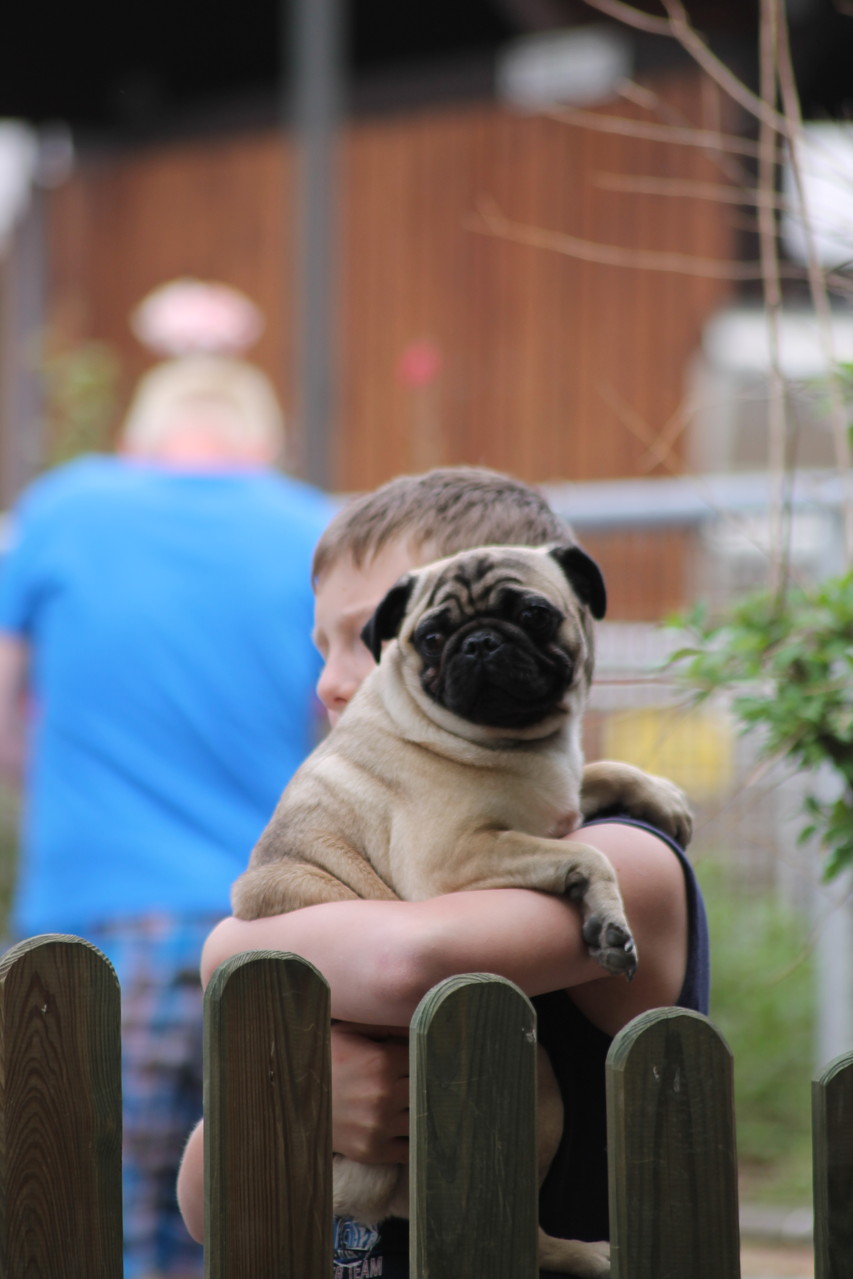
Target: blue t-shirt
168,617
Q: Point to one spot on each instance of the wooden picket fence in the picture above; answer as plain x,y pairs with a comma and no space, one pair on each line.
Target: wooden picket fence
674,1203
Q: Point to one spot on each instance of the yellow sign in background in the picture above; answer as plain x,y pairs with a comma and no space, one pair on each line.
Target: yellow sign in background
693,747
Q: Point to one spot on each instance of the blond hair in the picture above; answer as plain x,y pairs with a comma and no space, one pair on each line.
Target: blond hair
449,509
239,402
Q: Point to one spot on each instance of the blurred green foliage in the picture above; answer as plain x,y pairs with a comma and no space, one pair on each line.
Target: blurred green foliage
786,659
763,1001
80,390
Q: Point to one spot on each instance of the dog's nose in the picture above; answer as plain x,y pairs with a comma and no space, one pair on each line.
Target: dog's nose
480,643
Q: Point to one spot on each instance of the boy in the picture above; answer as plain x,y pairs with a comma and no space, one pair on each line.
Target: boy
380,958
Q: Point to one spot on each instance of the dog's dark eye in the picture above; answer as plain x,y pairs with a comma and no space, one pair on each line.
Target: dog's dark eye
538,620
430,643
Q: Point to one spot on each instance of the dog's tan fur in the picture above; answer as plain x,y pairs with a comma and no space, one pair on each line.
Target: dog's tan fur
407,799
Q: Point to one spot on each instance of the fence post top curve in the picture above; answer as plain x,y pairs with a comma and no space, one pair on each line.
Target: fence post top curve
647,1024
253,958
837,1066
30,947
453,987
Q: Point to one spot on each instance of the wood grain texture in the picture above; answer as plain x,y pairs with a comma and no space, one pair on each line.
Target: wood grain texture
268,1149
832,1136
472,1132
671,1150
60,1112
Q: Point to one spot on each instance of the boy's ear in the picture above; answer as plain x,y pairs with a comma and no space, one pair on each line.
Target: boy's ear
385,622
584,576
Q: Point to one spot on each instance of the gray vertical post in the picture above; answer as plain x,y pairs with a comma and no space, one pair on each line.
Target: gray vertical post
315,34
21,324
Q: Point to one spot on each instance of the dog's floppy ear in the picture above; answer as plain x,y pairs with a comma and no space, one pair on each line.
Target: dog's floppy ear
385,622
585,577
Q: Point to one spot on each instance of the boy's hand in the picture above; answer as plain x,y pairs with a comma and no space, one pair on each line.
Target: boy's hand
370,1093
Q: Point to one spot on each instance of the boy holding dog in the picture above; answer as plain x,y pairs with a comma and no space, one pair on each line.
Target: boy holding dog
380,957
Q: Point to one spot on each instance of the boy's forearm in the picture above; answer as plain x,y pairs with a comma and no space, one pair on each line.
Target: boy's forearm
380,958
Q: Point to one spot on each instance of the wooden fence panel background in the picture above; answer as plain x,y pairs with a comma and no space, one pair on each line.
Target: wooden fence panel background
553,366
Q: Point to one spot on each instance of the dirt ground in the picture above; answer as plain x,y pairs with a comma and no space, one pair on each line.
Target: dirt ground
776,1261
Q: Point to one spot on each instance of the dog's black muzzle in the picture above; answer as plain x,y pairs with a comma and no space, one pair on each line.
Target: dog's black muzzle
500,679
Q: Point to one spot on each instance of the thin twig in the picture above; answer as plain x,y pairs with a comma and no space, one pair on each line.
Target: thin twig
707,139
678,26
650,100
632,17
769,247
489,220
817,284
658,448
691,188
689,38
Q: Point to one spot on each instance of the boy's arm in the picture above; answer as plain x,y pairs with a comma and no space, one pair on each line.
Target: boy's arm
380,958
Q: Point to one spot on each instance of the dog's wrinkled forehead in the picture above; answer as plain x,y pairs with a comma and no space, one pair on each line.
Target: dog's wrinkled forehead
478,584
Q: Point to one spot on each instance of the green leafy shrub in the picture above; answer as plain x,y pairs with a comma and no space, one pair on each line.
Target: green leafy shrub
786,659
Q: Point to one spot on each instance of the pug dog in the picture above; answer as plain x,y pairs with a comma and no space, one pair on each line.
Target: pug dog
458,765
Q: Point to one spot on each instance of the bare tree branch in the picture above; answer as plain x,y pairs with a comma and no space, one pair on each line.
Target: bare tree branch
769,248
631,17
649,100
678,26
817,279
491,221
687,136
690,188
689,38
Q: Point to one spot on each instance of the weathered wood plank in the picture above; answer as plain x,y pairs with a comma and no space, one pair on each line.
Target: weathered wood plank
60,1112
671,1150
832,1138
268,1147
472,1132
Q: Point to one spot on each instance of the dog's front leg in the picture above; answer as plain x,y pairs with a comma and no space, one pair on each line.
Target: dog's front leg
610,786
512,859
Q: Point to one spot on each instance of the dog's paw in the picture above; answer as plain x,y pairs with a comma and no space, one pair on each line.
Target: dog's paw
610,787
611,945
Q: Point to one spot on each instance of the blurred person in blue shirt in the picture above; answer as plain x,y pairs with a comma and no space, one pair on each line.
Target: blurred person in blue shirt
156,685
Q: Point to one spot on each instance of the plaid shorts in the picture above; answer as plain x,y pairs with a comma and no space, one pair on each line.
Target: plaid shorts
156,960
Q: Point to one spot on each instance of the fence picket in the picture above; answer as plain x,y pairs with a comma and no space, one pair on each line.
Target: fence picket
672,1159
472,1132
267,1120
60,1112
832,1148
671,1150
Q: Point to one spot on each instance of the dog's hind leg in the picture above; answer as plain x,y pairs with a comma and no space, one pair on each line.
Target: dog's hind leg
574,1257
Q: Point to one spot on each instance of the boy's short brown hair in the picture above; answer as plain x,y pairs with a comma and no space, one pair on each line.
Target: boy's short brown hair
449,509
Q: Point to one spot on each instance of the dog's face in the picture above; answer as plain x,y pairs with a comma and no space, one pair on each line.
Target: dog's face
499,637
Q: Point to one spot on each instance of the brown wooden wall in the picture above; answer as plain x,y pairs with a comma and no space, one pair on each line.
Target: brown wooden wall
552,368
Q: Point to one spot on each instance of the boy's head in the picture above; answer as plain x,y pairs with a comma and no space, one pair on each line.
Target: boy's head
439,513
407,522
